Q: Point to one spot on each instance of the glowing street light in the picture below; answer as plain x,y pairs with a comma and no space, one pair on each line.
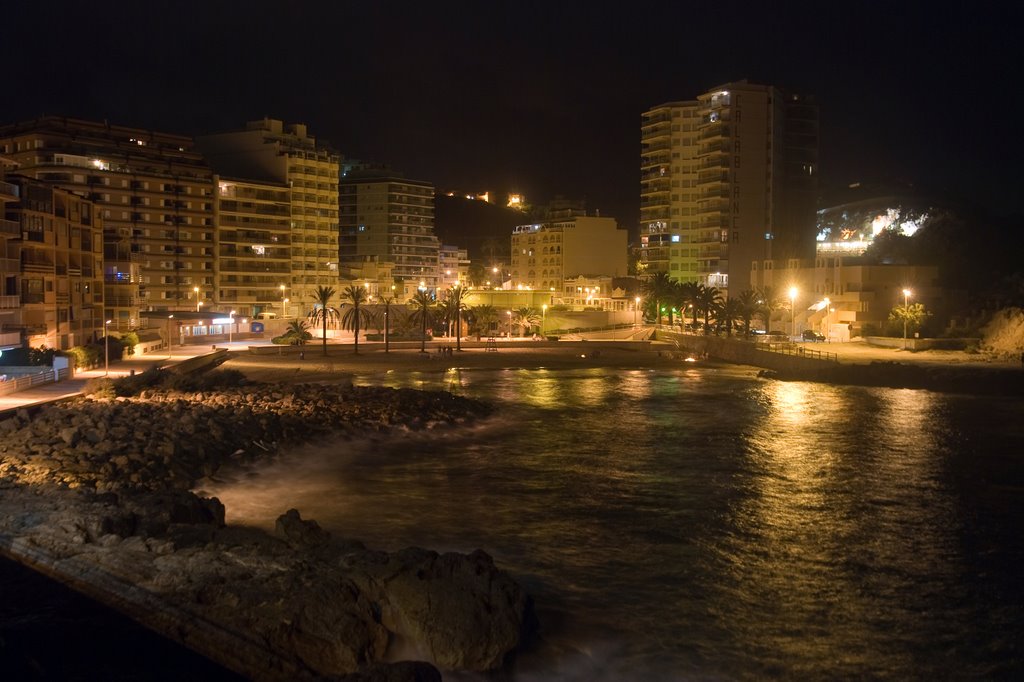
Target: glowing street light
283,299
231,325
198,302
170,341
792,308
509,325
828,310
543,318
107,348
636,307
906,311
284,307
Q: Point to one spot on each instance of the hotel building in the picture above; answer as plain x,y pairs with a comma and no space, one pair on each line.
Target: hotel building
387,218
545,255
268,151
154,195
727,179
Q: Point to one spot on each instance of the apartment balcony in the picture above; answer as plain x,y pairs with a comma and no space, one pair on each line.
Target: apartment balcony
715,130
10,302
10,227
655,147
713,178
655,133
122,301
9,192
10,265
38,266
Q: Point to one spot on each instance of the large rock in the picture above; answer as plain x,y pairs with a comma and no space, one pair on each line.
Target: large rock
456,610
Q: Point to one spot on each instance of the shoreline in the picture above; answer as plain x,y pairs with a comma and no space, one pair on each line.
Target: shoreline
87,502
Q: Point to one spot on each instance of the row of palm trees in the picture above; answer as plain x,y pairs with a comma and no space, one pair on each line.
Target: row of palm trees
421,311
664,296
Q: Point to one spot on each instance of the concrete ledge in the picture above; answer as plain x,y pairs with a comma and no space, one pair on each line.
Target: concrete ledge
920,344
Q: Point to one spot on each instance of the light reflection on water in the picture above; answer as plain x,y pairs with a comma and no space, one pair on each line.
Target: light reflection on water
700,523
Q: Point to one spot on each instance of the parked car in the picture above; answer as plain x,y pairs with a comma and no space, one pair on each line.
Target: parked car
811,335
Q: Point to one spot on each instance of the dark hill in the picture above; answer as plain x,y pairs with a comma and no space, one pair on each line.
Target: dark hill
482,228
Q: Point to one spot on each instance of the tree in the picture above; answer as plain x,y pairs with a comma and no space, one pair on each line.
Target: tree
908,318
657,289
388,301
731,311
747,306
355,315
527,317
688,293
484,317
322,312
297,333
422,305
708,301
456,305
768,301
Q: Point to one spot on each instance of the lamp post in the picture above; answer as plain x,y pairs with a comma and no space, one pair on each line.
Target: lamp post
636,307
281,287
231,325
106,348
543,318
198,302
828,302
284,307
509,325
792,309
906,312
169,340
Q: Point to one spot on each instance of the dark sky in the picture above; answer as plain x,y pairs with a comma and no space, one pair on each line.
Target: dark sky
543,97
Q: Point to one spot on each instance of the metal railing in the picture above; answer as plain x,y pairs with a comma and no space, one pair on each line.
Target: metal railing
789,348
15,384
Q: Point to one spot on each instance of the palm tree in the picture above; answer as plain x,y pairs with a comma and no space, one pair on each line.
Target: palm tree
768,301
732,310
747,302
484,317
657,289
322,311
527,317
689,295
456,305
388,301
708,301
422,305
355,316
298,332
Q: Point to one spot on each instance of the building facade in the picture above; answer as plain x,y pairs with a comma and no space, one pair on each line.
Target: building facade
453,266
727,179
254,247
268,151
388,218
10,263
544,255
154,194
59,256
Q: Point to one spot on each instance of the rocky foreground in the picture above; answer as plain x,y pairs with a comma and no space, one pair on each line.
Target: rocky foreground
96,492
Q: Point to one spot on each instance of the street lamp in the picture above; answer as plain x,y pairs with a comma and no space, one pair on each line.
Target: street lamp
284,307
106,348
906,313
198,302
231,325
283,299
828,302
636,307
792,309
543,318
169,340
509,325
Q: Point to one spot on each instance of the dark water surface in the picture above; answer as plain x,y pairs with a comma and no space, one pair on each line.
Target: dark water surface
704,524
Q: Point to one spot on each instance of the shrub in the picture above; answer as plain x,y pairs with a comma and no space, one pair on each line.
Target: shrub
101,388
129,341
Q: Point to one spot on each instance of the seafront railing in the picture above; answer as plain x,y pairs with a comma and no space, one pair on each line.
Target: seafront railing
13,384
787,348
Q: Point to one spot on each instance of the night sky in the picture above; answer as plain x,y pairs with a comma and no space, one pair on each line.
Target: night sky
540,97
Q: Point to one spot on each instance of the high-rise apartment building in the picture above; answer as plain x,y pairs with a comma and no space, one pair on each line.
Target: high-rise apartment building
10,264
254,249
154,194
544,255
269,151
387,218
726,180
59,257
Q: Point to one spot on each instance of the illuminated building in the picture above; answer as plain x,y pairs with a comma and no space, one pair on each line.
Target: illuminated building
10,266
386,217
727,179
545,254
517,201
453,266
254,252
54,267
269,151
154,194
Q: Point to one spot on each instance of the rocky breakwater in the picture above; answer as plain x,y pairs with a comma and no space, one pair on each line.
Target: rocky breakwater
95,492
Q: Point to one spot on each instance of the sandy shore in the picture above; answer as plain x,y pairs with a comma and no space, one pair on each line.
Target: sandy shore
287,366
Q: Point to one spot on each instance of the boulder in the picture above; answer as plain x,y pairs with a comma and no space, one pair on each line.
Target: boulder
291,528
456,610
